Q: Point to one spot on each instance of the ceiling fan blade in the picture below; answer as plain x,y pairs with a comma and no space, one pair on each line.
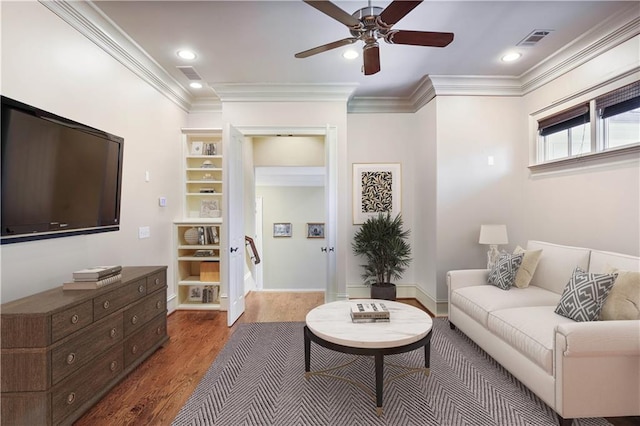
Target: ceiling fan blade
397,10
418,38
335,12
325,47
371,56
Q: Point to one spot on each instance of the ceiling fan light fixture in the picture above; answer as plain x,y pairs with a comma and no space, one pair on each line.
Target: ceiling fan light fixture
186,54
510,57
350,54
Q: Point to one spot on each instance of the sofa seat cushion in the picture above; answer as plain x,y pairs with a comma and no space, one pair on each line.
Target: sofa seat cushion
479,301
529,330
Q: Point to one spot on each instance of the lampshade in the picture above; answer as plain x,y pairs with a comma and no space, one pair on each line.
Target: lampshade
493,234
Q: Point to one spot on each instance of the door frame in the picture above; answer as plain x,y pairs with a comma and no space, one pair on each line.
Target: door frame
331,185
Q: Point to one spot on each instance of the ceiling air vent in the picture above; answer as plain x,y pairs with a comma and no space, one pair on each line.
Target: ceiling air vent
190,72
534,37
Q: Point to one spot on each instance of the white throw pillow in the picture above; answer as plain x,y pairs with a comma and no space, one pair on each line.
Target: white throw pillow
527,267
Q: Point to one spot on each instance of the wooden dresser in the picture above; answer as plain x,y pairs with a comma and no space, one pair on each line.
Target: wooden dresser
63,350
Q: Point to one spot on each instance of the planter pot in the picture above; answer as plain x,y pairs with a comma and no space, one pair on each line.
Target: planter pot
385,291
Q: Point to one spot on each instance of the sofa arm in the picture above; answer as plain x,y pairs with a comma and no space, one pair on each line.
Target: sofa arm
597,369
466,278
599,338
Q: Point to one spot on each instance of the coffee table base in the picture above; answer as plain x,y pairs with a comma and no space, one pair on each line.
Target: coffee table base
377,353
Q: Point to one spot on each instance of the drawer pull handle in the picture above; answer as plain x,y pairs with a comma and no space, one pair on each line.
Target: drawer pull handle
74,319
112,333
141,289
159,304
157,281
71,397
105,304
71,358
134,349
134,319
159,331
114,365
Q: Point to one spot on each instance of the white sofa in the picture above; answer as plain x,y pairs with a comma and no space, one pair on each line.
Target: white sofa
580,369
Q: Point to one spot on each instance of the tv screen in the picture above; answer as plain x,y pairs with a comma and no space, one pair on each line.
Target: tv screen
59,177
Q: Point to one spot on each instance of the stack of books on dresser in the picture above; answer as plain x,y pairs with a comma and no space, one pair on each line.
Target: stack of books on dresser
93,278
369,312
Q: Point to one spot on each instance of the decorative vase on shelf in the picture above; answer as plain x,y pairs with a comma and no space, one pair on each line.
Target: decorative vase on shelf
191,236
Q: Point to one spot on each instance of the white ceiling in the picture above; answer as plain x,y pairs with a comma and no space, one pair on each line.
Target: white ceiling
255,41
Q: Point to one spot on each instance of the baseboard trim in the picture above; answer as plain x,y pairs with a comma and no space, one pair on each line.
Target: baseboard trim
404,291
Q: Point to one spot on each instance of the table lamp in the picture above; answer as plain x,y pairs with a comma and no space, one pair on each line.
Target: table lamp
493,235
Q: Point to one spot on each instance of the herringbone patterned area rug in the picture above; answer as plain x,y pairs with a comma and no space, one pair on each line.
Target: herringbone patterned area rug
258,379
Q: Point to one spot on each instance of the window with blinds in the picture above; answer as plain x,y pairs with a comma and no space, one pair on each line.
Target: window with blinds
608,122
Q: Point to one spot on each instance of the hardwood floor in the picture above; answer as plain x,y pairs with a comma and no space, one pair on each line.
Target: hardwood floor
154,393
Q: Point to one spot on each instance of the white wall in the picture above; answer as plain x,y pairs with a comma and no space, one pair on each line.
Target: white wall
589,207
385,138
469,191
296,262
48,64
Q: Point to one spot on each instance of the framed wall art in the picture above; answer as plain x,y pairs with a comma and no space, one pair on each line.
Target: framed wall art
376,189
315,230
282,230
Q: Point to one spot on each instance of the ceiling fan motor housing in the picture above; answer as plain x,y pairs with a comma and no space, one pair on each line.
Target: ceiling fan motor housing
372,28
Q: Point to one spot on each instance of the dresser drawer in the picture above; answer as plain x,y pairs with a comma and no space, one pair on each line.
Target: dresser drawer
73,392
153,332
156,281
139,314
71,320
79,350
110,302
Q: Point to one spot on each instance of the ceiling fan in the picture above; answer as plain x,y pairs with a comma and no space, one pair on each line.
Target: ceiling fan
372,23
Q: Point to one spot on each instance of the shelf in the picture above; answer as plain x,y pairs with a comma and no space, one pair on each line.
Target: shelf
203,156
204,169
199,247
205,194
200,258
195,280
195,306
203,181
196,221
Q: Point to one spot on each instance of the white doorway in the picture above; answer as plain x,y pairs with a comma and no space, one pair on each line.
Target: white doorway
329,135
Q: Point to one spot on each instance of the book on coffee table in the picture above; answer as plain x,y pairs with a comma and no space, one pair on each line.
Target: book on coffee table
369,310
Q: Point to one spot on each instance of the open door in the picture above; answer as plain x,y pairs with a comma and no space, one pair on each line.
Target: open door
233,221
331,210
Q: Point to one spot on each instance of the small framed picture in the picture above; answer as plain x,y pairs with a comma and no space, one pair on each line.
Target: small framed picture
315,230
209,208
195,293
282,230
196,148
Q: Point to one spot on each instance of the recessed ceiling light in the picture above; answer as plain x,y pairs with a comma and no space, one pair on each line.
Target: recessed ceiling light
186,54
510,57
195,85
350,54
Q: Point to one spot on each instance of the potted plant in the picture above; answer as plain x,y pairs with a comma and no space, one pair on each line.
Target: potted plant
383,244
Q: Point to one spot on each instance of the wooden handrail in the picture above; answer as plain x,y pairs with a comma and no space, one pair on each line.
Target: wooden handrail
254,252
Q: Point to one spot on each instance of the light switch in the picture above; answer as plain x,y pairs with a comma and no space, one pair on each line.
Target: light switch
147,176
490,160
162,201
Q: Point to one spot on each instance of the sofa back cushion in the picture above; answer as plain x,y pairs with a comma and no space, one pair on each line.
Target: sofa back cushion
601,261
556,264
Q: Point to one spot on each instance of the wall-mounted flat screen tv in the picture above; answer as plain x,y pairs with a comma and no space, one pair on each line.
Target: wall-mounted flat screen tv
59,177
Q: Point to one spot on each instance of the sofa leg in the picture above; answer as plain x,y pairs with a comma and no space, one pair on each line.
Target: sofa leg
452,325
564,422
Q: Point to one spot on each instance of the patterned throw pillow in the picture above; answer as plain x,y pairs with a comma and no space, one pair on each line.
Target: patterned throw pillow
503,273
584,295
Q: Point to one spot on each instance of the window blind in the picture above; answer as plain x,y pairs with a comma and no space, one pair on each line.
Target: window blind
564,120
624,99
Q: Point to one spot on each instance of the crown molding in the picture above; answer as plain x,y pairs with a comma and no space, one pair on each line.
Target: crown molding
267,92
593,43
93,24
97,27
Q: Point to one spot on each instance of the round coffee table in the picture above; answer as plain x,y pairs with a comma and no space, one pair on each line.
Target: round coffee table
330,326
